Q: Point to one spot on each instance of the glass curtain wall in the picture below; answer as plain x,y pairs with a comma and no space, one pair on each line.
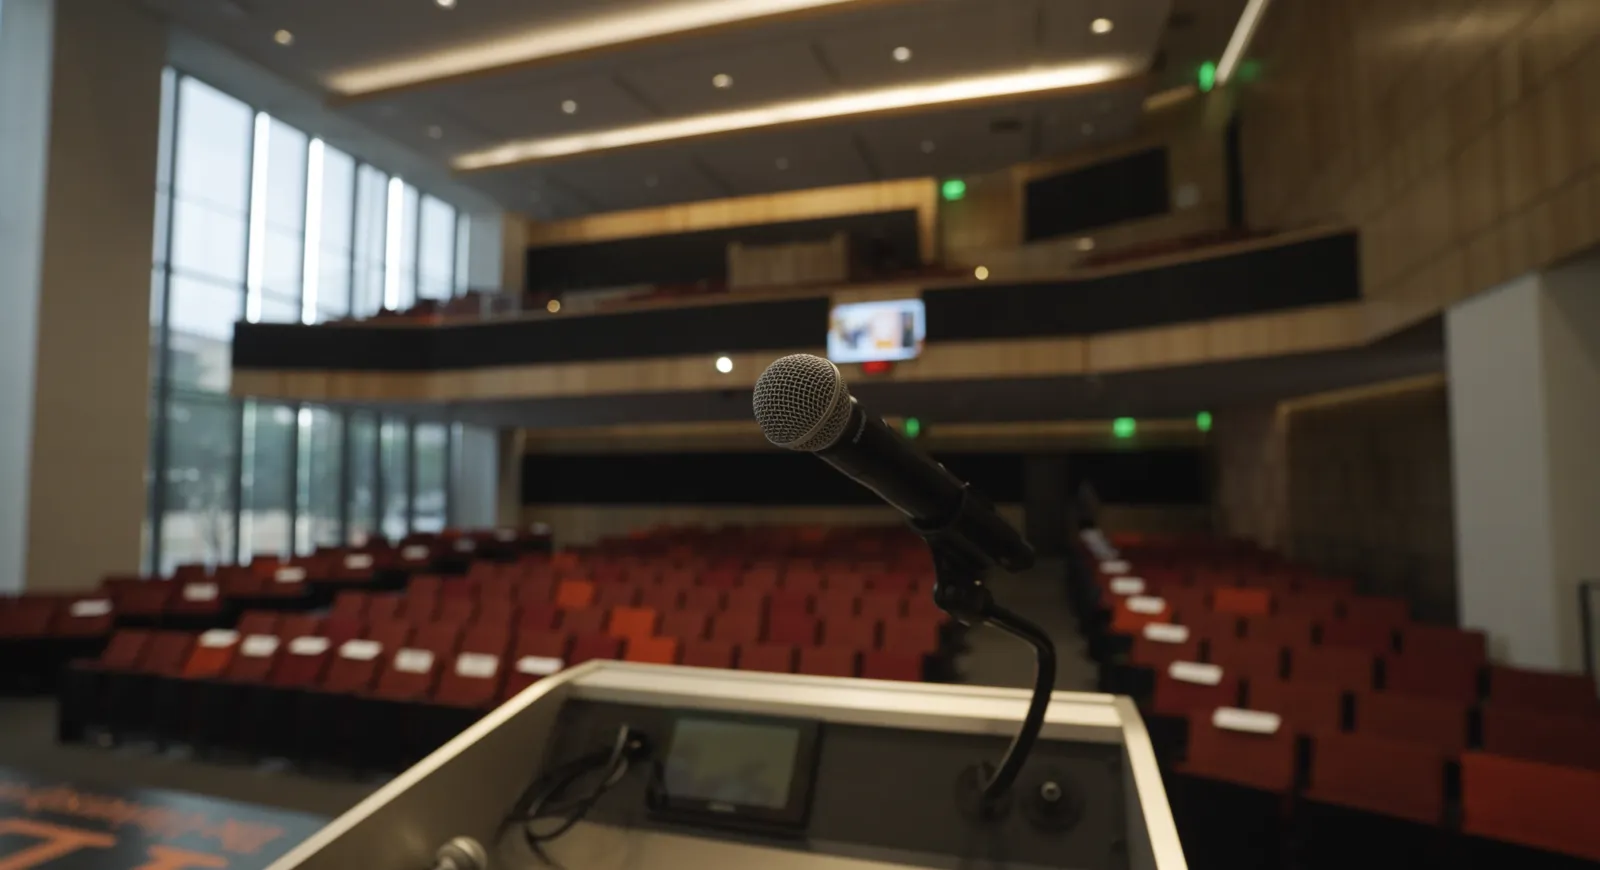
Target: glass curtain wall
257,221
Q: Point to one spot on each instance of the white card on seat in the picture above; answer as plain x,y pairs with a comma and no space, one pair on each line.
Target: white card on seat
259,646
291,574
465,545
1195,672
1251,721
505,535
477,665
1114,566
1164,632
358,561
200,592
90,607
311,645
1127,586
1147,604
413,661
217,638
414,553
360,650
539,666
540,528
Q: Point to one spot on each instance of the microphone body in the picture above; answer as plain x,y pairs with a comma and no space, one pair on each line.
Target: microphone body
802,404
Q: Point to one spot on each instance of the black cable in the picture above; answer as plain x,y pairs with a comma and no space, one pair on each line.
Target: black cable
543,800
1044,682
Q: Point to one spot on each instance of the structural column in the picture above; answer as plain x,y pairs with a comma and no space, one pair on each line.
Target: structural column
1524,370
80,105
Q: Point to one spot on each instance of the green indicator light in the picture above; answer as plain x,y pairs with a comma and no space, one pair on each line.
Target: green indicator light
953,189
1124,427
1203,421
1208,76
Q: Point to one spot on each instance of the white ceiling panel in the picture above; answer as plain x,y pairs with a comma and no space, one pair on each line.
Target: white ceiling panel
964,38
786,159
762,72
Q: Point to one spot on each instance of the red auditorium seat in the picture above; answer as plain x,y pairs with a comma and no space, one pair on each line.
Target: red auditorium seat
1542,690
753,600
765,579
1241,601
85,617
792,627
1372,636
425,586
258,622
852,633
487,638
212,654
802,582
1250,660
351,605
536,590
1183,688
702,598
836,605
653,650
353,667
1455,679
1258,761
458,611
472,680
721,578
125,650
1310,605
1207,624
418,609
777,658
1348,668
632,622
587,621
538,616
594,646
1393,778
1438,722
390,633
536,656
302,662
1306,708
665,599
907,635
708,653
885,606
1393,612
409,673
257,655
737,627
788,601
1530,803
384,608
142,602
617,594
684,625
1570,740
1129,615
1289,631
849,583
1442,643
574,594
828,662
1228,792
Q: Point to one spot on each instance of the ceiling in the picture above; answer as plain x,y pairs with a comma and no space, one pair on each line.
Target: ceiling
846,48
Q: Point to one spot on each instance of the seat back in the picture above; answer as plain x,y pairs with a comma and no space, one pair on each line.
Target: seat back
708,653
737,627
584,621
1346,667
1398,778
773,657
1252,660
212,654
1259,761
1374,637
911,635
829,662
1178,696
1435,721
1443,643
653,650
1422,674
472,679
1242,601
354,666
632,623
1287,630
1531,803
167,653
792,627
1306,708
125,650
574,594
1542,690
1572,740
594,646
857,633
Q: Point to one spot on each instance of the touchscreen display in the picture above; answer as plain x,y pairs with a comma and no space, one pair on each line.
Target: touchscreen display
724,761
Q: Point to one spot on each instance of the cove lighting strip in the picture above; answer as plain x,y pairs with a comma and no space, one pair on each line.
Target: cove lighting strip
547,42
1243,32
1030,81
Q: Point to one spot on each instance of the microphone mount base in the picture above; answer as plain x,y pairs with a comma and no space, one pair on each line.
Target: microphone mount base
959,590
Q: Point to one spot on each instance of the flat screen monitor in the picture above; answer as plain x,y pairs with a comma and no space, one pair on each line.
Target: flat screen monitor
877,331
738,770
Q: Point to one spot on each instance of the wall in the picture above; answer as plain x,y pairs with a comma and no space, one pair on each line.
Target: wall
1462,138
1355,483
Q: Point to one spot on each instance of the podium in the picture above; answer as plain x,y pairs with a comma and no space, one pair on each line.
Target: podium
741,769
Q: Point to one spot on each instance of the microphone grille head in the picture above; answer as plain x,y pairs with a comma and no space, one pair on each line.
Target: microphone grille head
801,403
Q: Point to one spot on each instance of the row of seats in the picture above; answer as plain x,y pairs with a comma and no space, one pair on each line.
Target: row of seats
1262,682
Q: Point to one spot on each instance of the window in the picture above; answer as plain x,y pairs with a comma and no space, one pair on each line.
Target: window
433,460
320,451
255,220
463,262
436,250
266,479
395,483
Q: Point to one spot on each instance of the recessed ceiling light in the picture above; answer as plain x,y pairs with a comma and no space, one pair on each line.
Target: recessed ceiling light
1087,128
902,54
436,132
722,80
927,146
651,181
724,364
553,306
781,163
981,273
283,37
569,106
1101,25
1017,82
1086,244
446,4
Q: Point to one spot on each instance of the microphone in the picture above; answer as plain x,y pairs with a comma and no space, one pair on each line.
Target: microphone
802,403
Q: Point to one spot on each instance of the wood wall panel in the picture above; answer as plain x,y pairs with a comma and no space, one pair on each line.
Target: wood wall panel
918,194
1462,138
